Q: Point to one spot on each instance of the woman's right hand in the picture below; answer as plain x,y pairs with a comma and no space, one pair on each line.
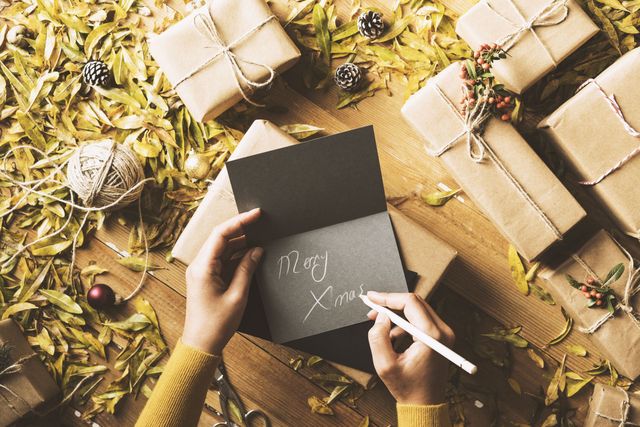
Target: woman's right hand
419,374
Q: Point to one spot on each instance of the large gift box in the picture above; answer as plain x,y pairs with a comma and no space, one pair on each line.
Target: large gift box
616,335
612,407
223,52
596,132
515,188
26,387
422,253
537,34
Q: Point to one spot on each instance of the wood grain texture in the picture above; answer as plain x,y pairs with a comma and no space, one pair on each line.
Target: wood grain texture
479,280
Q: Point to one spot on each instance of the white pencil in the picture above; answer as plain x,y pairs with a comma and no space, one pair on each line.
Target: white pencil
436,345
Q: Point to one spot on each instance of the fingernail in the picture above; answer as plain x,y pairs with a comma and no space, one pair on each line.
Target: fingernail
256,254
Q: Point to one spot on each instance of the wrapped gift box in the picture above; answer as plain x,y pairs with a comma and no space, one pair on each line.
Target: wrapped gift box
209,78
559,28
421,251
515,188
594,139
612,407
32,390
617,338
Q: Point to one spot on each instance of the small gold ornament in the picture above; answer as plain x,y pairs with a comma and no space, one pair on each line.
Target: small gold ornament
197,166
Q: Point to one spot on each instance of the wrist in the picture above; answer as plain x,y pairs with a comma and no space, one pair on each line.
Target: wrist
422,399
202,343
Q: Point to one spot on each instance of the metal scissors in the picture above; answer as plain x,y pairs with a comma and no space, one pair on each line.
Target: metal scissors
227,393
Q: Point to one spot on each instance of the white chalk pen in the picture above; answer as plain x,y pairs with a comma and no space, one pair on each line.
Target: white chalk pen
430,342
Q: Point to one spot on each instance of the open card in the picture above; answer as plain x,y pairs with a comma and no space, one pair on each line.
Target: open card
325,230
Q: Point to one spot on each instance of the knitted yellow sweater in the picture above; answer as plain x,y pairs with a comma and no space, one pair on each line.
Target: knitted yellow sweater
178,398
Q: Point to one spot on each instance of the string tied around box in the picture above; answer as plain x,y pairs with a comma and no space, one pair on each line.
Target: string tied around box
203,22
104,174
617,110
554,13
631,288
473,123
15,368
625,410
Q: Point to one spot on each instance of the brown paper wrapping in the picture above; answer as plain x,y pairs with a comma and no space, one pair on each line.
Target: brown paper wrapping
530,58
606,407
36,389
421,251
593,139
487,185
183,48
618,339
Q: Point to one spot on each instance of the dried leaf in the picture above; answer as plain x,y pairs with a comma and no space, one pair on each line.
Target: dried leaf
318,406
438,198
301,131
137,264
565,331
515,386
136,322
575,383
556,385
537,359
517,270
17,308
577,350
61,300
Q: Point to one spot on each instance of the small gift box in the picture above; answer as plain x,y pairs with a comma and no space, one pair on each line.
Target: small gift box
495,167
596,130
26,387
617,332
223,52
537,35
612,407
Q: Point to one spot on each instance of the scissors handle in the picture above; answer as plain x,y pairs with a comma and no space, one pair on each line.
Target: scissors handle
257,415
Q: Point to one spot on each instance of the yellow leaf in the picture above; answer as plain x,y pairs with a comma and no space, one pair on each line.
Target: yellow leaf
61,300
537,359
577,349
515,386
438,198
17,308
517,270
318,406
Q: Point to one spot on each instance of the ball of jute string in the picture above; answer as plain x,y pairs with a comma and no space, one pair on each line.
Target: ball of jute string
104,173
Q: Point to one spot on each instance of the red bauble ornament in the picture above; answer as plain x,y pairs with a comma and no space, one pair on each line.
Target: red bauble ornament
101,296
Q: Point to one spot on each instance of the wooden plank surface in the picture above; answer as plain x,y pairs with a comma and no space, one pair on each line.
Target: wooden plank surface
480,281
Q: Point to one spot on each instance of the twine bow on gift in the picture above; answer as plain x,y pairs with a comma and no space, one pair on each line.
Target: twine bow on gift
625,409
203,22
615,107
631,288
473,123
554,13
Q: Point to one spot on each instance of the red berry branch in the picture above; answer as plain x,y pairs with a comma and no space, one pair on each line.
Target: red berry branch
481,87
598,293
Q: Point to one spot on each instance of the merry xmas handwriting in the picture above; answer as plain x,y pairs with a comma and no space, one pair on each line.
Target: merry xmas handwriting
316,267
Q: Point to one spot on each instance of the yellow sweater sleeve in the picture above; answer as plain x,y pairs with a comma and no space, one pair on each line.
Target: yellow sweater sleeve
423,415
178,397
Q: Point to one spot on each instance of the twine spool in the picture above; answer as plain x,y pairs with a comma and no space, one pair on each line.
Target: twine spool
105,174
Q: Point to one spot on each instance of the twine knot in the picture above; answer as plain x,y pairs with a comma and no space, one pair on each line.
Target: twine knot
617,110
203,22
554,13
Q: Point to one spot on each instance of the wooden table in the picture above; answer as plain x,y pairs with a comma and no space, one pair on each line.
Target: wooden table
480,280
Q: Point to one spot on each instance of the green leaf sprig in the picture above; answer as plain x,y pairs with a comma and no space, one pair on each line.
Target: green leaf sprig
599,293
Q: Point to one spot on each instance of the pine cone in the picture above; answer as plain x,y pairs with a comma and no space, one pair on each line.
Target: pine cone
370,24
348,76
96,73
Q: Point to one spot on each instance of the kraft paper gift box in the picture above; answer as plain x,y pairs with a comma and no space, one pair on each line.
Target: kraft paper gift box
596,135
421,251
618,337
28,389
510,183
221,53
612,407
558,28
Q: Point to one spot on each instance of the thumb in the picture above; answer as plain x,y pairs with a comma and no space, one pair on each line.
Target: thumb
384,357
241,280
